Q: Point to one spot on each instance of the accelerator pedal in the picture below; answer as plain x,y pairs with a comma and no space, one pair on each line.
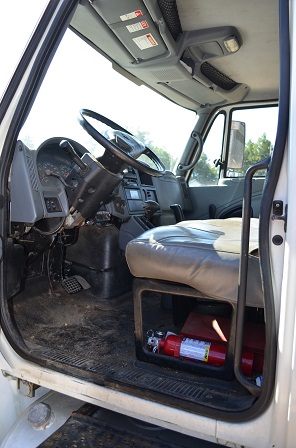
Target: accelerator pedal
75,284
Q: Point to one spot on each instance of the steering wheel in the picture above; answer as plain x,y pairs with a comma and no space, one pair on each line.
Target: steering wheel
130,157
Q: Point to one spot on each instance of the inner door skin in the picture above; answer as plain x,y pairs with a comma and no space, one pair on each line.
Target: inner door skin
223,200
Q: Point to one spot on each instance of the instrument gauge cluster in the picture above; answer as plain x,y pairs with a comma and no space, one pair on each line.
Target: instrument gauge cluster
53,164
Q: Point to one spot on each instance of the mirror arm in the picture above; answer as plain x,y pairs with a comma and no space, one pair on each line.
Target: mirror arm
218,162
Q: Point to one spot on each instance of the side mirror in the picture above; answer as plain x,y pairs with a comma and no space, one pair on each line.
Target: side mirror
236,145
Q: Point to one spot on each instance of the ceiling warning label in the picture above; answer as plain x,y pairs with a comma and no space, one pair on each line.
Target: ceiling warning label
146,41
131,15
137,26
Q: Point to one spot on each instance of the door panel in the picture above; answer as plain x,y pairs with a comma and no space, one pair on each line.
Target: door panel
226,198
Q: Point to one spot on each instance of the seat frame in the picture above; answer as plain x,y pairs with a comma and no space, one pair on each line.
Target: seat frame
140,286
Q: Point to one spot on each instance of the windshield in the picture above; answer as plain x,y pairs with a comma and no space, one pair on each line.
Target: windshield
79,77
23,16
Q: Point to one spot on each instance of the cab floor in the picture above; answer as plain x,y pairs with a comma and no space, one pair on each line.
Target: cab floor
96,337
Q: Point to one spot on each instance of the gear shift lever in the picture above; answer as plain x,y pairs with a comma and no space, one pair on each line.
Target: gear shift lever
150,208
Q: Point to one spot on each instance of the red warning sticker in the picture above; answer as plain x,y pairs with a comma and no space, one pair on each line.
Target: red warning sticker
137,26
131,15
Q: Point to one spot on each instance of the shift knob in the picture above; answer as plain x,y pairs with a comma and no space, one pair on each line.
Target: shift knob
150,208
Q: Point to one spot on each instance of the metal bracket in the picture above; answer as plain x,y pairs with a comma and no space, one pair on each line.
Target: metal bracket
219,163
26,388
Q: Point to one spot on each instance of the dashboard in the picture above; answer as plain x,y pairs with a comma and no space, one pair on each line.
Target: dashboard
40,182
38,178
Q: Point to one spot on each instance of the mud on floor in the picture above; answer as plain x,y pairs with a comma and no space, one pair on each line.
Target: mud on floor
81,324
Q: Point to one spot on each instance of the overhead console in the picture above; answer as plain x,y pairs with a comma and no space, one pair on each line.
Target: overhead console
132,24
148,41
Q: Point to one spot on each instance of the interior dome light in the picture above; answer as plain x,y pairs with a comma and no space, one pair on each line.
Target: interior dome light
231,44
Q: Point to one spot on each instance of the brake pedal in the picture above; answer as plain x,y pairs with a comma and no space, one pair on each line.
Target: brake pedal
75,284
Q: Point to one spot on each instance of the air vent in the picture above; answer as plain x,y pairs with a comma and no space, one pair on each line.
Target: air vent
218,78
167,75
172,73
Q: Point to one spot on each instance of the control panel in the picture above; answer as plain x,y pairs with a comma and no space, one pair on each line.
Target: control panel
135,188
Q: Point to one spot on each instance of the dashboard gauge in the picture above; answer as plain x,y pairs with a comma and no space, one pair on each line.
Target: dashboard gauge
50,168
45,171
53,164
40,170
65,171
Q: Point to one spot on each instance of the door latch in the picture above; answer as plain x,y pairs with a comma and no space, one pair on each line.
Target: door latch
278,212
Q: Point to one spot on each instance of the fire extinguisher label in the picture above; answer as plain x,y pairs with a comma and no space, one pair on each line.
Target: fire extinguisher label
193,349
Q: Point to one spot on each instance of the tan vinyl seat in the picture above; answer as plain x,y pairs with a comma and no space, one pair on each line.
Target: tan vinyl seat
201,254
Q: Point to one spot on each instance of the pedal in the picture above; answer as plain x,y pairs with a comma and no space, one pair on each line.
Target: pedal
75,284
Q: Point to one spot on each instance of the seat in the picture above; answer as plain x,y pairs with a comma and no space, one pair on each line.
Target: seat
193,259
201,254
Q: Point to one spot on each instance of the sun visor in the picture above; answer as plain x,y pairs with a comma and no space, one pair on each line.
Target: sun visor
133,26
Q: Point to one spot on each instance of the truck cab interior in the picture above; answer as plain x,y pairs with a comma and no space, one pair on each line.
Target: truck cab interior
137,265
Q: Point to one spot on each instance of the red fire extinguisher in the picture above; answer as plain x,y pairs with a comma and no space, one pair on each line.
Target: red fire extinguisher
193,349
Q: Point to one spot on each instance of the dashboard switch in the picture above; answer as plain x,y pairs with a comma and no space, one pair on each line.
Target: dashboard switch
52,205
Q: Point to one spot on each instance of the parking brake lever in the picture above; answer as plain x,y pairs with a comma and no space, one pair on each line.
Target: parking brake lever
178,212
68,148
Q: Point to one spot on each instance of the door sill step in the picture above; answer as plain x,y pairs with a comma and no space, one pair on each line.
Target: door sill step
88,428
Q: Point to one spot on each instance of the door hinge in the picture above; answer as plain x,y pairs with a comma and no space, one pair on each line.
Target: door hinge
278,212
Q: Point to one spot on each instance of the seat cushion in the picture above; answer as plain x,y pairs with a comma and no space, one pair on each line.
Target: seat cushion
201,254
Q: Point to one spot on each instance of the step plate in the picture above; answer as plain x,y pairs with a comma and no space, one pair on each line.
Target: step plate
91,432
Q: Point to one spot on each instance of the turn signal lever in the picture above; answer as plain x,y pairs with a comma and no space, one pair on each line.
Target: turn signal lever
150,208
68,148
